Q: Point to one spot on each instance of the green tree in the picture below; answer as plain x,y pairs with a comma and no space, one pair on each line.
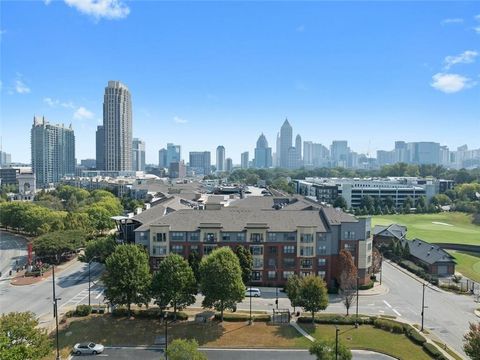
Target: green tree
56,244
313,294
20,337
194,260
221,280
340,202
127,276
100,248
325,350
181,349
293,290
471,342
174,283
246,262
367,202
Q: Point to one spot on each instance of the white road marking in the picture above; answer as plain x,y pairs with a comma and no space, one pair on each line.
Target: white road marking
386,303
100,294
381,311
396,312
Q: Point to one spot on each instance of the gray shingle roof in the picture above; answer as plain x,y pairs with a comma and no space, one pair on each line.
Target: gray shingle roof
237,219
337,216
392,230
427,252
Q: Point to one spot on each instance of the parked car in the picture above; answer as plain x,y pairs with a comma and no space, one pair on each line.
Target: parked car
253,292
88,348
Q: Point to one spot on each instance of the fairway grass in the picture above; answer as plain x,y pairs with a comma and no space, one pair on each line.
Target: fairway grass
468,264
432,228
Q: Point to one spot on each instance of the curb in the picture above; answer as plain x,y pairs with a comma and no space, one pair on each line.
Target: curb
414,277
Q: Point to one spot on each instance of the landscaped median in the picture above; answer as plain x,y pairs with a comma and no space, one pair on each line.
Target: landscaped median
377,334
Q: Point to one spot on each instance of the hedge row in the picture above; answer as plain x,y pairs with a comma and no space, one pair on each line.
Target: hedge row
338,319
243,317
433,351
150,313
367,286
389,325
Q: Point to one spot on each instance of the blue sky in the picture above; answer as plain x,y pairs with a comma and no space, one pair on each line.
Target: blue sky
208,73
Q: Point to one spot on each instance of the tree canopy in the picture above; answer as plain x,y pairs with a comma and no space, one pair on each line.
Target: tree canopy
313,294
127,276
293,290
20,337
246,262
325,350
471,342
182,349
221,280
100,248
53,246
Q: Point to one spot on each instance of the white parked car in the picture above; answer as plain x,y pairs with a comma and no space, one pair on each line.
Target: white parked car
88,348
253,292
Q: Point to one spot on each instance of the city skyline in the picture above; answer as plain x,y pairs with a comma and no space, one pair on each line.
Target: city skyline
303,67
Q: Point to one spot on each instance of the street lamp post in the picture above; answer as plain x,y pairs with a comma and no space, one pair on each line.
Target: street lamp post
165,318
250,293
89,277
381,268
423,304
336,341
276,287
55,311
356,312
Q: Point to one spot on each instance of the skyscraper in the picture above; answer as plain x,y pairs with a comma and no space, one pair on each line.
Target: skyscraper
244,160
285,144
174,153
5,159
339,153
229,165
200,162
100,148
162,158
117,123
220,158
298,148
53,151
277,151
263,153
138,155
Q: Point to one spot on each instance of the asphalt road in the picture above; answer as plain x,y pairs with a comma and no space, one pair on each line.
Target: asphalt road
224,354
13,252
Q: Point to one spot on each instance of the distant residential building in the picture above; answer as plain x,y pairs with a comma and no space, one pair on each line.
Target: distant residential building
5,159
315,155
177,170
339,153
263,153
100,148
88,163
138,155
285,143
53,151
292,158
220,160
244,161
229,165
117,124
424,152
200,162
8,176
174,153
162,159
385,157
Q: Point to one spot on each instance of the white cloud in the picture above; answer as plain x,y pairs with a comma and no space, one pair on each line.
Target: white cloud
47,2
55,102
83,114
21,87
108,9
50,102
477,29
477,17
452,21
467,57
451,83
179,120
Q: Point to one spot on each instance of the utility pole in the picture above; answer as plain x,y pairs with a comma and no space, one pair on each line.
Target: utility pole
55,311
250,293
356,312
381,268
336,341
423,304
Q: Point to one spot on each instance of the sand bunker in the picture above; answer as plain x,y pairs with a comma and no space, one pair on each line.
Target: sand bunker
441,223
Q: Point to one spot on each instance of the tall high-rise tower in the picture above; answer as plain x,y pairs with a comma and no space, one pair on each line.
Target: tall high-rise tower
100,148
138,155
285,143
263,153
53,151
117,124
298,149
220,158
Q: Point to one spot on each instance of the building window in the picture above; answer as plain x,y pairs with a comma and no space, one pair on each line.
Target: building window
321,274
272,262
256,237
161,237
306,263
304,273
225,236
177,236
207,249
159,250
194,236
272,275
257,263
194,248
322,249
256,275
369,259
288,262
210,237
349,235
176,249
350,247
289,249
287,274
322,262
306,238
256,249
369,246
241,236
306,251
272,250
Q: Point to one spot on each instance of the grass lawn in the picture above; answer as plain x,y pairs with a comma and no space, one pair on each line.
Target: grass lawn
368,337
113,331
423,226
468,264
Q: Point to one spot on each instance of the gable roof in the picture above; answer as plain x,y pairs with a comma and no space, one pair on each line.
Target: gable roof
393,230
336,216
427,252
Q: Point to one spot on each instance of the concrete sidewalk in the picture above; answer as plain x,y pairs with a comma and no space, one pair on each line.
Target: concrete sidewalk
20,279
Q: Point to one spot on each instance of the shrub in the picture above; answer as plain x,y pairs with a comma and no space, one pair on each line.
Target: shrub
83,310
243,317
337,319
389,325
433,351
150,313
367,286
415,336
70,313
